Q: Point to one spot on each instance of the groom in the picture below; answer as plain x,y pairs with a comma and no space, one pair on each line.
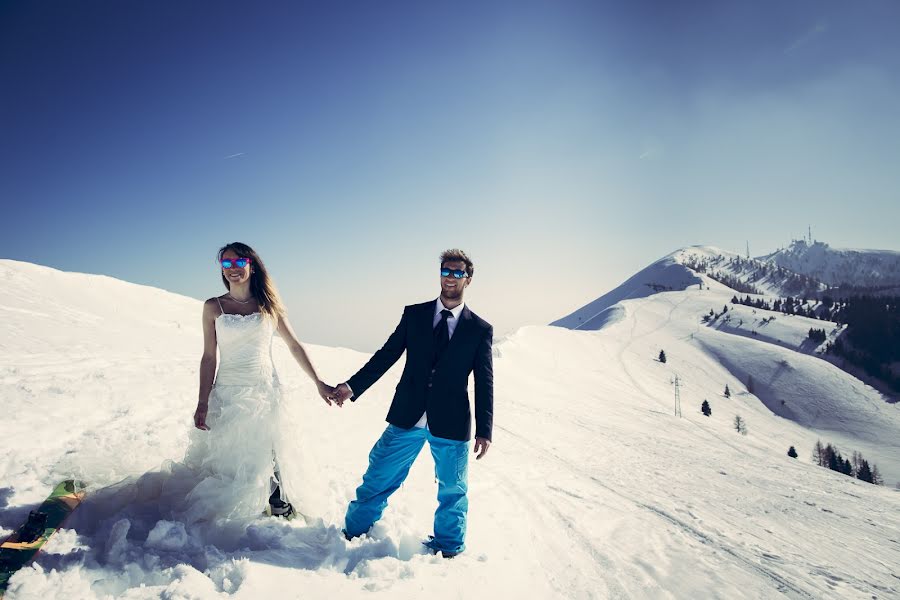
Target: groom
444,342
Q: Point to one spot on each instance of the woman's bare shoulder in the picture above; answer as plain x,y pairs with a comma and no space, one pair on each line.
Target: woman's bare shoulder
212,306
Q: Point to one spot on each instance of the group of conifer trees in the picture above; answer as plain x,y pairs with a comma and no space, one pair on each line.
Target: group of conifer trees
825,456
802,307
872,341
856,466
751,270
817,335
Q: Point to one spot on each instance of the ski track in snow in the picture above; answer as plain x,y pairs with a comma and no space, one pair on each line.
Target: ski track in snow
779,582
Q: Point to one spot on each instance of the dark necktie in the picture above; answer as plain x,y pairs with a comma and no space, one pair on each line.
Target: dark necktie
441,336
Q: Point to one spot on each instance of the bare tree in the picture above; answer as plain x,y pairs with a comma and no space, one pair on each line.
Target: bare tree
818,455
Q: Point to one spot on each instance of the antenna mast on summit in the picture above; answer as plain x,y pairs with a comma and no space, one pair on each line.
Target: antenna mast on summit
810,235
748,249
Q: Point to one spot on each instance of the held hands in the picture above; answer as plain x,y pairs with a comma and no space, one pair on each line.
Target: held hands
325,391
481,444
341,393
200,416
336,395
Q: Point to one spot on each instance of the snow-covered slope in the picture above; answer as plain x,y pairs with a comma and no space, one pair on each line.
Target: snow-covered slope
840,267
668,273
748,275
763,349
790,331
592,489
693,267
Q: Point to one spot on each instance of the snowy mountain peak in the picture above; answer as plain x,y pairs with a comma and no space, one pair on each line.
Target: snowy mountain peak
699,252
856,268
699,266
667,274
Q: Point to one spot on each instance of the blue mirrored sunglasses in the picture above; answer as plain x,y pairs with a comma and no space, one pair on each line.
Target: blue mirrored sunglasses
240,263
456,273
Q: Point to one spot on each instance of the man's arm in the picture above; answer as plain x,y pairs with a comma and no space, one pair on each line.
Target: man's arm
381,361
484,387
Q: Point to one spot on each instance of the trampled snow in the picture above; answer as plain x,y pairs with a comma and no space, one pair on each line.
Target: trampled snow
593,488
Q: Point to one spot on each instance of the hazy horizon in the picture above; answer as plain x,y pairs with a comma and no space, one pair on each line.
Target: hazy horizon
499,324
565,146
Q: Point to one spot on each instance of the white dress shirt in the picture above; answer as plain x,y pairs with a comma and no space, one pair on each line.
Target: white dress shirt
452,322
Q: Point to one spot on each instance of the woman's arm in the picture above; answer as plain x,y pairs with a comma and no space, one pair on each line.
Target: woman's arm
290,338
207,362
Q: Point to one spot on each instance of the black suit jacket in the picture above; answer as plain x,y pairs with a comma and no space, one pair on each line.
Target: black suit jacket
442,393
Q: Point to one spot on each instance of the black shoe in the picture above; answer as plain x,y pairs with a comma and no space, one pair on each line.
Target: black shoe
435,551
278,507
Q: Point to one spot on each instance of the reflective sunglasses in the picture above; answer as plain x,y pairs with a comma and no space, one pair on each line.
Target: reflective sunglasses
456,273
240,263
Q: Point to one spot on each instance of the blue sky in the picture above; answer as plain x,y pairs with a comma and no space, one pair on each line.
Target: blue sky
564,145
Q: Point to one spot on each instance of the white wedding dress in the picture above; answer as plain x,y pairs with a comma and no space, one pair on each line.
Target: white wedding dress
248,443
228,472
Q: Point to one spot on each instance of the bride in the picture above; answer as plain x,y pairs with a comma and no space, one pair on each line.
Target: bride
240,446
245,456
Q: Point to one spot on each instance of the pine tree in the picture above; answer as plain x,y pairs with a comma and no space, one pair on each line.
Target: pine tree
740,425
792,452
865,473
727,391
847,468
662,356
833,455
750,383
705,409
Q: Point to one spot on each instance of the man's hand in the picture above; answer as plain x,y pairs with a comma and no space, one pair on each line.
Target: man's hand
483,444
200,417
341,393
325,391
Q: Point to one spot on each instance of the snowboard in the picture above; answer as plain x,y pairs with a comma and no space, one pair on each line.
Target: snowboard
23,545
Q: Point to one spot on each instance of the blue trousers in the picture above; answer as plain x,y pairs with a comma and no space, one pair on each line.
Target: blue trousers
389,464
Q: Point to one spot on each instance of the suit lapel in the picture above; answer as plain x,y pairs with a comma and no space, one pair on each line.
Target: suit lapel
427,328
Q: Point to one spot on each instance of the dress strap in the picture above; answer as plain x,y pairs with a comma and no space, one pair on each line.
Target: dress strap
221,310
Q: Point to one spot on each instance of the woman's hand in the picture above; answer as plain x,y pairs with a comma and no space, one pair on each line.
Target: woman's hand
325,390
200,416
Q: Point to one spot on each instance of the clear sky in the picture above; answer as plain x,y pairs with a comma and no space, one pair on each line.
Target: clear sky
564,145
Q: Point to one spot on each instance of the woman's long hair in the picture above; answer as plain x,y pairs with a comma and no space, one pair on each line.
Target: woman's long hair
261,285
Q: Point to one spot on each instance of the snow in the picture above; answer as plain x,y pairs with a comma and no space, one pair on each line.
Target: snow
665,274
593,488
840,266
790,331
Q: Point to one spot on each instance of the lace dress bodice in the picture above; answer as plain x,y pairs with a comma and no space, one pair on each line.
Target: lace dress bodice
245,350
